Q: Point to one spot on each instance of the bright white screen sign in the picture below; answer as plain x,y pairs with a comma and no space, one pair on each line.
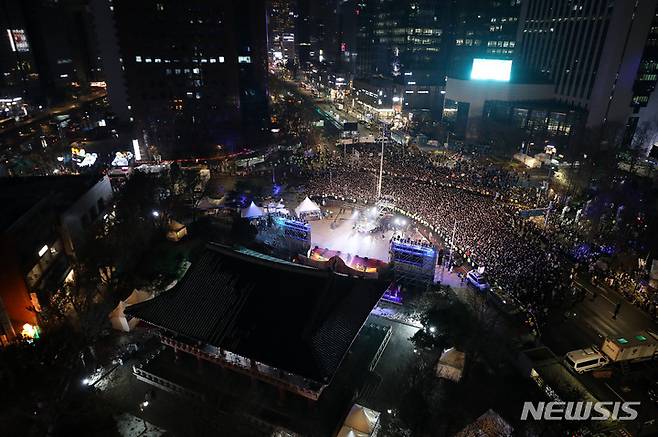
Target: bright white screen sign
491,69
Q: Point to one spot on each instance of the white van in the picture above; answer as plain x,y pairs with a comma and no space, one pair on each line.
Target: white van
584,360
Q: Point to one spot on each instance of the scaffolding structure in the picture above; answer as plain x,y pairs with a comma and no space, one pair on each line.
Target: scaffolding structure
386,204
285,234
413,264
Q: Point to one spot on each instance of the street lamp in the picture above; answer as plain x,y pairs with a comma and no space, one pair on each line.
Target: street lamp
155,214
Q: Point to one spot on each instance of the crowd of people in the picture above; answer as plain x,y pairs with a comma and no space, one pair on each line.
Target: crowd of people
516,254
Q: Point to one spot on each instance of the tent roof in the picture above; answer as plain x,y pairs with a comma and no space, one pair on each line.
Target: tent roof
453,358
307,205
138,296
346,431
207,202
252,211
175,226
450,365
135,297
362,419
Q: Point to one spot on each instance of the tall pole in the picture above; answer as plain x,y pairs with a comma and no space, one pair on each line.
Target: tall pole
381,164
452,243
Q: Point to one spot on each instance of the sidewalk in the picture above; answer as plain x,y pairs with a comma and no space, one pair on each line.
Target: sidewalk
598,309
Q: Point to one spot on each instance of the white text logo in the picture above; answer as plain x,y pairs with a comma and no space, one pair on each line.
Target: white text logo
579,410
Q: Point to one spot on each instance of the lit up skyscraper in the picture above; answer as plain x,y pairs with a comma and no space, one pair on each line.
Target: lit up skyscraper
282,41
482,29
409,36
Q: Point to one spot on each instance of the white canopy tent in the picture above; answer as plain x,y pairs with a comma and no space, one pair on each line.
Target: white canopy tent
346,431
207,203
360,422
451,365
307,207
176,231
252,211
118,317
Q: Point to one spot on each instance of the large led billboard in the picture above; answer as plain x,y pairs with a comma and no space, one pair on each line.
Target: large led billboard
491,69
18,40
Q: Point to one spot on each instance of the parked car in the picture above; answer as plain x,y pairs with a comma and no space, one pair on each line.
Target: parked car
584,360
477,280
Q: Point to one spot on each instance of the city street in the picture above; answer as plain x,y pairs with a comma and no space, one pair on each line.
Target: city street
330,111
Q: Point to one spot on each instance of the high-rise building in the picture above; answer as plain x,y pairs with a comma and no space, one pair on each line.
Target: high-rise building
55,32
191,76
400,36
281,26
348,22
318,30
592,66
482,29
645,99
19,77
45,48
363,47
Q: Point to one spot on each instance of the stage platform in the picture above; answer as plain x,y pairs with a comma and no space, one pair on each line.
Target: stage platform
337,233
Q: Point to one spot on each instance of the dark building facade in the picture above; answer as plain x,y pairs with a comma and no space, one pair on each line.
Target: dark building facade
44,223
534,120
482,29
590,50
318,30
406,36
642,126
56,32
19,75
190,75
45,54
